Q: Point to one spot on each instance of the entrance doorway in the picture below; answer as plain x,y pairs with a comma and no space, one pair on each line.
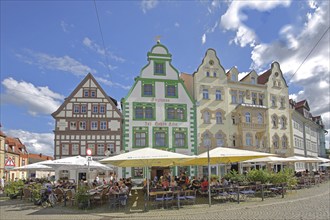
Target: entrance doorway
159,171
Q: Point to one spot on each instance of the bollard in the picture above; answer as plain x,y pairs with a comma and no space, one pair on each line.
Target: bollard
262,192
282,190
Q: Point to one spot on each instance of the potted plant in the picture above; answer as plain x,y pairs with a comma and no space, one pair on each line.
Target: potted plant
82,197
13,189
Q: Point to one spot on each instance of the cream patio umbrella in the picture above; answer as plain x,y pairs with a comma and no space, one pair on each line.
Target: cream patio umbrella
272,160
303,159
323,160
35,166
147,157
225,155
325,165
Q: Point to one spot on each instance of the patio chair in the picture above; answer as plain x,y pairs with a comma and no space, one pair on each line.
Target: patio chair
169,198
158,199
113,201
180,197
122,199
190,196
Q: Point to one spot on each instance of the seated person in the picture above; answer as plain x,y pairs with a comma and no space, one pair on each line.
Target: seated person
224,182
204,185
195,183
173,183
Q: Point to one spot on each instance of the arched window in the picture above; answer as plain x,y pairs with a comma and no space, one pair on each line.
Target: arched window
260,118
247,117
207,74
206,117
219,139
284,142
274,121
283,122
206,139
248,139
218,95
218,117
214,74
275,141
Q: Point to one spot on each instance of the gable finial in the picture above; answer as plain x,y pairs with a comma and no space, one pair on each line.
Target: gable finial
157,38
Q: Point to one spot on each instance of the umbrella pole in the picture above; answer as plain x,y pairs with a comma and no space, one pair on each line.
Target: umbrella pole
147,175
209,172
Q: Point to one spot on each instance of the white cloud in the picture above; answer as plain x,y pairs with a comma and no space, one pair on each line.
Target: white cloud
98,49
35,142
148,5
313,76
65,26
233,19
176,24
203,38
46,61
242,75
112,84
38,100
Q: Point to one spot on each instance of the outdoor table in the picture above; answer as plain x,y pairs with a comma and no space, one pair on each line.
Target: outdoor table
177,192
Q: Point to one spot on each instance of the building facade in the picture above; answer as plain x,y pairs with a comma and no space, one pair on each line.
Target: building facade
251,113
308,134
88,118
159,112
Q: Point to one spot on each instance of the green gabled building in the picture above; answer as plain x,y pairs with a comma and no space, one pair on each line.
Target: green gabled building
159,113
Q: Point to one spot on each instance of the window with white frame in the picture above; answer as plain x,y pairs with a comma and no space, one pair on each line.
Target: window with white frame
75,149
282,101
76,108
93,93
82,125
283,122
140,139
241,97
95,108
274,121
219,140
260,118
111,148
218,117
102,109
179,139
248,139
233,77
206,117
218,95
206,140
86,93
273,101
94,125
100,149
103,125
233,97
284,142
73,125
275,141
254,98
83,108
160,139
253,80
148,89
205,94
248,117
92,147
65,149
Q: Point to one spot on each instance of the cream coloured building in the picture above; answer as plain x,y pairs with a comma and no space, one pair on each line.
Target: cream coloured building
251,113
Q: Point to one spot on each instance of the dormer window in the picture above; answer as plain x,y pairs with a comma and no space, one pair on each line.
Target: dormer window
159,68
253,80
207,74
233,77
86,93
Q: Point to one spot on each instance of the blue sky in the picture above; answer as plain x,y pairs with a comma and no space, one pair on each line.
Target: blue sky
47,47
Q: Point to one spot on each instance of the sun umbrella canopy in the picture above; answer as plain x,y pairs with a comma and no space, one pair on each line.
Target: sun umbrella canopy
221,155
303,159
323,160
35,166
147,157
76,162
268,160
324,165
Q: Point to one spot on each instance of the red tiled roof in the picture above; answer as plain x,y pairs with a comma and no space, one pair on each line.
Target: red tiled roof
16,143
40,157
263,78
2,134
300,104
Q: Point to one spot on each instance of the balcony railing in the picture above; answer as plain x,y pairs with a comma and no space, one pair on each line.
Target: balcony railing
252,125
